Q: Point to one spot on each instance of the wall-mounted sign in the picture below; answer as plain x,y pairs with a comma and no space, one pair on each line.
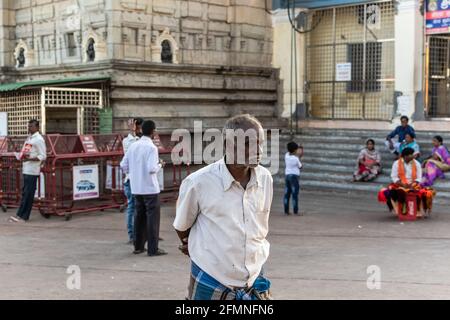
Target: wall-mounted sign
88,143
438,16
344,72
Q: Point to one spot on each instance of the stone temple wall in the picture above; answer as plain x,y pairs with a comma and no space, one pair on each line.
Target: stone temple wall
201,32
221,54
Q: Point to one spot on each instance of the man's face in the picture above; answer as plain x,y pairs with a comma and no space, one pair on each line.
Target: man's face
409,158
138,130
32,128
404,122
152,136
246,150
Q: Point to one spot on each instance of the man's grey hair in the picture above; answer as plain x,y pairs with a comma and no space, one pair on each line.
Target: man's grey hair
242,121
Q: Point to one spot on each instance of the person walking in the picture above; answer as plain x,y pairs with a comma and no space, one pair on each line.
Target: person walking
142,163
135,133
33,153
222,219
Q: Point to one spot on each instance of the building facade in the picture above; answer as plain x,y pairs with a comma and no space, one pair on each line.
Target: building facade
356,64
174,61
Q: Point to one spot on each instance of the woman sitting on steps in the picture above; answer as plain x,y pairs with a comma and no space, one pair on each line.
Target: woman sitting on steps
368,163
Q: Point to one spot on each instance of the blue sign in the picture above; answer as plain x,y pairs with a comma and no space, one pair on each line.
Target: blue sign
438,16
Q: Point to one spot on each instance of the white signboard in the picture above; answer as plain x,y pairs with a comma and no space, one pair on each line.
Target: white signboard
344,72
3,124
85,182
404,105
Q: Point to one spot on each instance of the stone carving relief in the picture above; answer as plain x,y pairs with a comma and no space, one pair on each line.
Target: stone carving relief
90,51
165,48
94,47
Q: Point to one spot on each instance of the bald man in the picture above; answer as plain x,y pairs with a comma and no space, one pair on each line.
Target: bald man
222,218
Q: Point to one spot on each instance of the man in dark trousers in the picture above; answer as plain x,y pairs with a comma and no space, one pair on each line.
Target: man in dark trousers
400,131
141,162
33,153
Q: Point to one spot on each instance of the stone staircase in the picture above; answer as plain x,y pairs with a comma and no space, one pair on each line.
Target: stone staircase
330,157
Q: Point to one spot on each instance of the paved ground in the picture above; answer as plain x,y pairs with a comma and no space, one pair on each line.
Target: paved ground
321,255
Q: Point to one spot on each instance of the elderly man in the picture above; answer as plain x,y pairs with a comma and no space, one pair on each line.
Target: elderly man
222,218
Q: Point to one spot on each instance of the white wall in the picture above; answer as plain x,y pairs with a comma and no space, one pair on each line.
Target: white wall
282,59
408,54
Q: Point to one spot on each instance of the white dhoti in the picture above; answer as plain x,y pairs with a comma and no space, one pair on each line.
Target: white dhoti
396,146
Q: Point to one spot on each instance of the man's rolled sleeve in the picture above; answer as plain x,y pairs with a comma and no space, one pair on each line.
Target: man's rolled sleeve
153,161
41,150
393,133
124,164
394,173
187,206
419,171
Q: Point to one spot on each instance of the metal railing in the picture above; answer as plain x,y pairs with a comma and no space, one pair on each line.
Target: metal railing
350,62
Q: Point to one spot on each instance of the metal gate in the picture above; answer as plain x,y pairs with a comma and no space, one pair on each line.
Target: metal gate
350,62
438,97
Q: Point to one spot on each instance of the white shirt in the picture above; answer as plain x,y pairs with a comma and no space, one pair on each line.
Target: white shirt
36,148
293,164
141,162
408,171
228,224
127,142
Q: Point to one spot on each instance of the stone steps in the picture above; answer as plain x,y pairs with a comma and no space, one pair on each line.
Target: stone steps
330,159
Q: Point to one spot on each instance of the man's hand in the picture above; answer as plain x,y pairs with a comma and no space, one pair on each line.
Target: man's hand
184,248
391,144
184,237
402,185
27,157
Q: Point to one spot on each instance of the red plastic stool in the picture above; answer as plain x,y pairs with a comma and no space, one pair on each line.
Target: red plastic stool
411,208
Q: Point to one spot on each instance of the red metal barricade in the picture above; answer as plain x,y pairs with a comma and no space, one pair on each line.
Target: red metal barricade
57,189
67,155
175,173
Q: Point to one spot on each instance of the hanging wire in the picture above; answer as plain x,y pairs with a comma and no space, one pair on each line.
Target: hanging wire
292,81
296,80
293,14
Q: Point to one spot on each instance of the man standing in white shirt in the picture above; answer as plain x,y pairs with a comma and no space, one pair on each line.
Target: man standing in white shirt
33,153
133,136
222,219
141,162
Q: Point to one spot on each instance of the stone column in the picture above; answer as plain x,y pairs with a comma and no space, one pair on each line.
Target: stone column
7,33
282,31
408,60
